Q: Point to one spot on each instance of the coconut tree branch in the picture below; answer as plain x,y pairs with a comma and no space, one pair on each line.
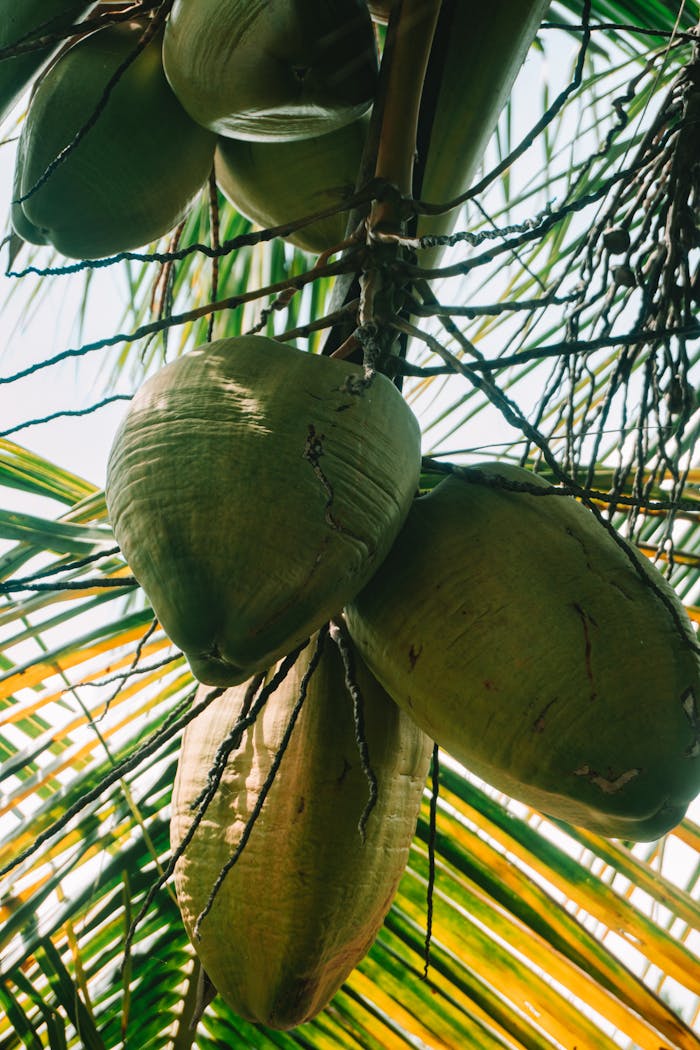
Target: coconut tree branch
390,148
64,414
339,634
43,38
374,189
415,21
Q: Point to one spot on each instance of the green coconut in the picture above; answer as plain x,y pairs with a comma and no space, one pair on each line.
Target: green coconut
21,22
478,53
271,69
550,658
305,899
277,182
254,489
133,175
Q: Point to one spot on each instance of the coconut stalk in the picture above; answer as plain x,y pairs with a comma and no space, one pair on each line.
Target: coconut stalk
447,71
416,21
389,153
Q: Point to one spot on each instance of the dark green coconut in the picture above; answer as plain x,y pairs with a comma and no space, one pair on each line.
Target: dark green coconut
21,22
271,69
133,175
276,182
254,489
550,658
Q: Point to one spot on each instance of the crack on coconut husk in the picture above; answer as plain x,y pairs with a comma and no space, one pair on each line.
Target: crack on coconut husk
609,785
414,654
539,723
591,567
586,620
570,488
313,450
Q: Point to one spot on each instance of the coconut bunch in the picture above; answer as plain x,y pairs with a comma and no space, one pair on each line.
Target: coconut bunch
121,130
122,127
287,86
255,489
275,182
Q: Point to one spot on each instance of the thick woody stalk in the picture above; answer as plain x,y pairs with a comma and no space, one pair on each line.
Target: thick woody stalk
414,22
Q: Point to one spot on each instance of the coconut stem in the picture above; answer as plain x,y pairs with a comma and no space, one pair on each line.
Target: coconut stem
411,28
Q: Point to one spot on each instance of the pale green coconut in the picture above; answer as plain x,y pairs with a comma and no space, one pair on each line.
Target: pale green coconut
271,69
550,658
277,182
485,47
307,896
254,489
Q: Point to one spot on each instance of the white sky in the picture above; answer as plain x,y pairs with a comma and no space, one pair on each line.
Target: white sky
28,336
